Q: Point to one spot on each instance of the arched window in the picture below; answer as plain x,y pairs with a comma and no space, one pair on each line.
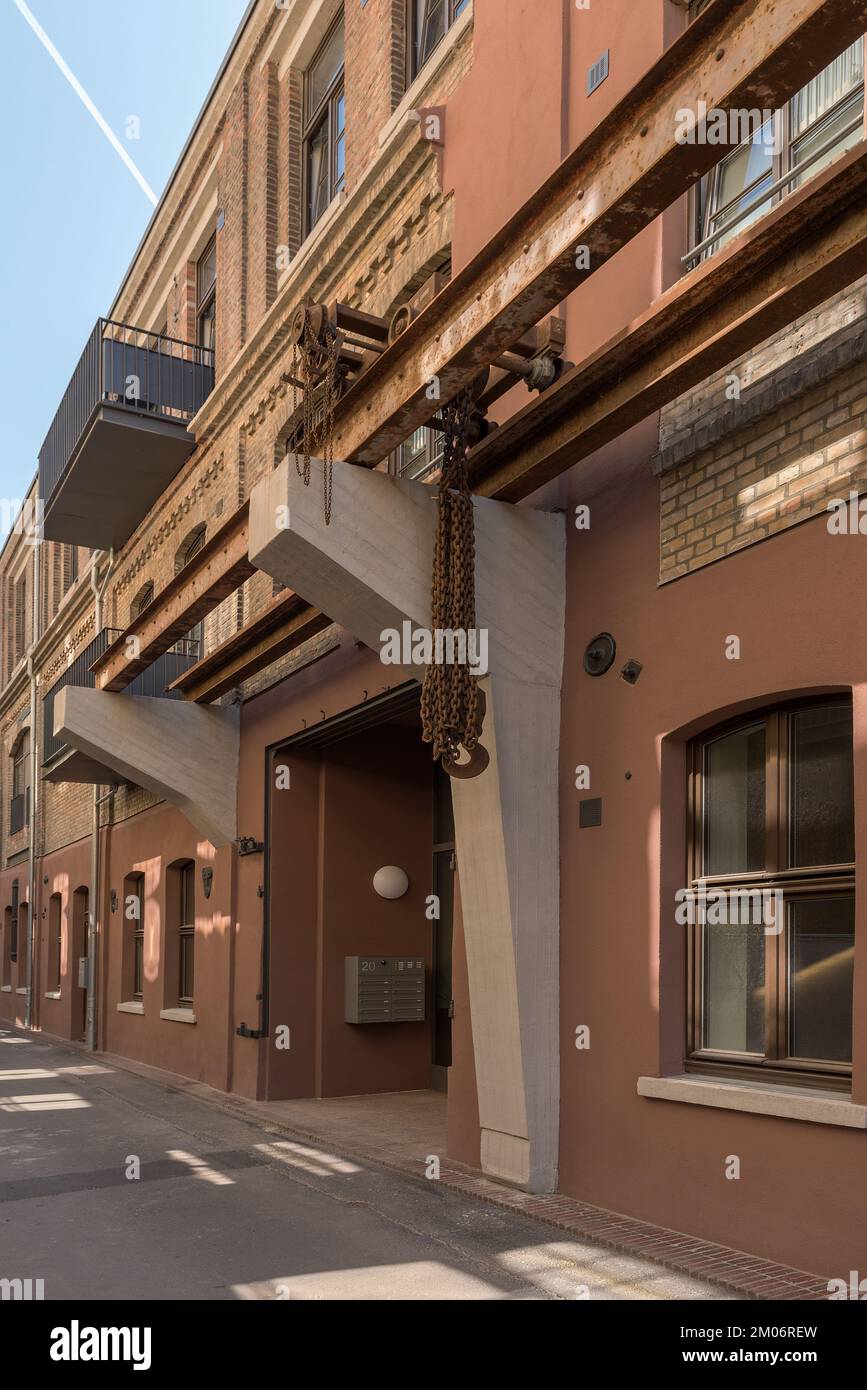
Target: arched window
143,598
192,543
770,903
190,546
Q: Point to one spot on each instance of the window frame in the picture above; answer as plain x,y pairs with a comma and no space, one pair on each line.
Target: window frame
206,299
811,882
414,62
186,930
432,453
325,113
138,879
703,194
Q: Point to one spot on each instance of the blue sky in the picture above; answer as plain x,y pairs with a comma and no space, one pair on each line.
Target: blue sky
73,213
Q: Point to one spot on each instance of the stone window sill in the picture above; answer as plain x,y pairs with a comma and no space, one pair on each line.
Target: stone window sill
426,76
131,1006
755,1098
22,989
178,1015
52,994
6,989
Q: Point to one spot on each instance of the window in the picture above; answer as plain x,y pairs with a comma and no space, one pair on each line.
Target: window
186,933
324,126
772,892
13,923
6,974
133,945
19,810
420,455
428,22
55,941
143,598
192,544
820,123
206,296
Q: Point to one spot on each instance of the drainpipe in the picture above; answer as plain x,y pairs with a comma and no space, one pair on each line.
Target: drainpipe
34,781
98,800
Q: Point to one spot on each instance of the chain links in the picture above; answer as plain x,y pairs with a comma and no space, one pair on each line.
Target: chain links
315,372
451,711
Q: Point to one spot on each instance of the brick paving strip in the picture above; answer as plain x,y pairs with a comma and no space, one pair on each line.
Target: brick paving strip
734,1270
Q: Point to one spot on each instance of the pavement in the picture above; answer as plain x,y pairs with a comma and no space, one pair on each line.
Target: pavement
116,1185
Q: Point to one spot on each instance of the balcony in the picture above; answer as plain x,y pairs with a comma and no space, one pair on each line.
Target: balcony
64,764
120,433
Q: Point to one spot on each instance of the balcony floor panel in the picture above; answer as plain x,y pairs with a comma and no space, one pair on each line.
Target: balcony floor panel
124,463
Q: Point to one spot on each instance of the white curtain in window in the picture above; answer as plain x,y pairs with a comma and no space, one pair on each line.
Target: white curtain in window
840,77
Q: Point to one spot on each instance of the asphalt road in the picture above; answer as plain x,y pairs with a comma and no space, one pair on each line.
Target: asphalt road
227,1208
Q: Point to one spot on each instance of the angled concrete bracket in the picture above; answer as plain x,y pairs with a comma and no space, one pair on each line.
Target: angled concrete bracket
180,751
371,570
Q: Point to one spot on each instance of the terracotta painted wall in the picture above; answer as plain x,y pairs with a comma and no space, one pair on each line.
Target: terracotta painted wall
798,602
11,1001
150,843
67,870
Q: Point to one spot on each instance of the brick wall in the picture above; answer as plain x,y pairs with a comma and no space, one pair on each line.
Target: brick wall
767,476
375,73
383,242
769,441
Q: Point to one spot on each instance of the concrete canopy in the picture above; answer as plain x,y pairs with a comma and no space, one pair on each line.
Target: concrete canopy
370,570
182,752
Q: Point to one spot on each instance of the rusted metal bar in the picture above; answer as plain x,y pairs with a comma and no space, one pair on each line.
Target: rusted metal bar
284,625
799,254
220,567
736,54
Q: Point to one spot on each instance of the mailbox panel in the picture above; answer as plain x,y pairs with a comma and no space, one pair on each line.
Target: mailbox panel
384,989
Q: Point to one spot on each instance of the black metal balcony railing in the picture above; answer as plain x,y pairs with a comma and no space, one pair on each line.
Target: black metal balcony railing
129,369
152,681
19,811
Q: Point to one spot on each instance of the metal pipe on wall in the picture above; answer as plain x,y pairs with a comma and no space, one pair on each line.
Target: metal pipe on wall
98,800
32,905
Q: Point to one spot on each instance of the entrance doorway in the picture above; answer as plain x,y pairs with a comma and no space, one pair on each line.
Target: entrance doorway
365,797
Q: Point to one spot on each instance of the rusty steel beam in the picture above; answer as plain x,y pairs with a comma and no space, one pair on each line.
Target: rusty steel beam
221,567
798,255
738,54
284,625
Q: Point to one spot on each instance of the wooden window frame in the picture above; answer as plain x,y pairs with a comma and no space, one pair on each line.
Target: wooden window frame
138,879
186,929
813,882
414,62
325,112
13,922
206,298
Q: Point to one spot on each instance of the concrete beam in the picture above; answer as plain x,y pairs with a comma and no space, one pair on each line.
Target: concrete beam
182,752
371,570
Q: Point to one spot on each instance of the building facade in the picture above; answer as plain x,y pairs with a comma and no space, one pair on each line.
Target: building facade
206,762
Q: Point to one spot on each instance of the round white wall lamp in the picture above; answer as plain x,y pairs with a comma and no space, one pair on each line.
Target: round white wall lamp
390,881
